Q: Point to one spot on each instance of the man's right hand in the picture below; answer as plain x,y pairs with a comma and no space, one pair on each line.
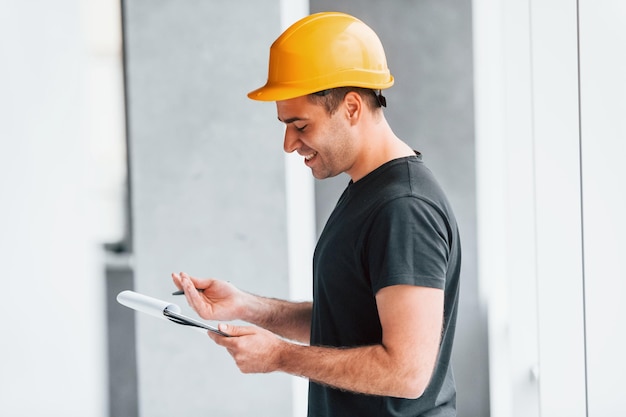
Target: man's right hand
212,299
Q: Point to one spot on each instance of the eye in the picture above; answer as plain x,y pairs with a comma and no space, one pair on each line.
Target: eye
300,128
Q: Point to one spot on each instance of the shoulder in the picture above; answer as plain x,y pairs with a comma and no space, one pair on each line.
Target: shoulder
408,189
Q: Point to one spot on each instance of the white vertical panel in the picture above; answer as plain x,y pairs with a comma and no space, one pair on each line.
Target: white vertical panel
603,128
558,215
106,141
300,192
490,188
521,238
52,350
506,201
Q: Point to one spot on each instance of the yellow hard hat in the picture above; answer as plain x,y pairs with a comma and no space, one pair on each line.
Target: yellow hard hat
322,51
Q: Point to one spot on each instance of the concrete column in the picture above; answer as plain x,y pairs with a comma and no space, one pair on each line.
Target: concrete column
207,190
429,52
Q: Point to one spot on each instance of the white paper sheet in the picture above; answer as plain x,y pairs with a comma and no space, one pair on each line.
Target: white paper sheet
145,304
157,308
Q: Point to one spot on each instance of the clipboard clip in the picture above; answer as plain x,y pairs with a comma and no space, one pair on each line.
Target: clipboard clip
186,321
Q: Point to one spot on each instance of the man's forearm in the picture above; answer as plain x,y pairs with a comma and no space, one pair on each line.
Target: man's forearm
368,369
400,365
291,320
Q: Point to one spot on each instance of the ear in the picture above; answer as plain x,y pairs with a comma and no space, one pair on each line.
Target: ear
353,105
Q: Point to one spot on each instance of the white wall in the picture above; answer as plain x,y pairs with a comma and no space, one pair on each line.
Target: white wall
505,198
603,146
52,355
549,97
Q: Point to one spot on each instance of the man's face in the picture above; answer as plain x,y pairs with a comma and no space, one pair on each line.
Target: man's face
323,140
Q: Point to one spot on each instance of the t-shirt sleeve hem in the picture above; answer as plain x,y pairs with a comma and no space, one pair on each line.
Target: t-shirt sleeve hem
418,281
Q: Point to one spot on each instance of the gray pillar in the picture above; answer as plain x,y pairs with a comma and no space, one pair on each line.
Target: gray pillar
429,51
207,191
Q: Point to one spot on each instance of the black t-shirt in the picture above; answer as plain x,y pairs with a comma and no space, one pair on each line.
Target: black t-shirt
394,226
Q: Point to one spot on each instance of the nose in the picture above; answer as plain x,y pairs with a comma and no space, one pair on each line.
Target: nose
291,141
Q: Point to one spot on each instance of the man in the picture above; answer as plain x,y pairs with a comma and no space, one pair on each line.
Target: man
377,338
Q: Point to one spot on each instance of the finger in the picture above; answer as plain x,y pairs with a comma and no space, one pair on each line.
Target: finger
225,328
217,338
199,283
236,331
193,298
232,332
196,282
176,279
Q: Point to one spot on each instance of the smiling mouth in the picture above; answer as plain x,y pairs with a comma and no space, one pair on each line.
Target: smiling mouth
310,156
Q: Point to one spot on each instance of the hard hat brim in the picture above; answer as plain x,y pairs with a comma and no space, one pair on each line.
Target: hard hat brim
271,92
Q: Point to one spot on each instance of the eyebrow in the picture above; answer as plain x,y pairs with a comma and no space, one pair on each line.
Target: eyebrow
291,120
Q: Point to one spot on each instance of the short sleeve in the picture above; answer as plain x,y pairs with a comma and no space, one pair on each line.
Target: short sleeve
408,243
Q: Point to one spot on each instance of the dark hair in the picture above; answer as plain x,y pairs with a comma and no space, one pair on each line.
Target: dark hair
332,97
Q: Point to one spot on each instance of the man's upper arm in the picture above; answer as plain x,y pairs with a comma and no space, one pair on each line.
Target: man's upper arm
412,320
408,243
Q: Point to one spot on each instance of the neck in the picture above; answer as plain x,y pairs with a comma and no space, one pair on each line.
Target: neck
378,145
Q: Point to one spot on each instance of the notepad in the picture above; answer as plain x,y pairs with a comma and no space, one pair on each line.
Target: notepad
161,309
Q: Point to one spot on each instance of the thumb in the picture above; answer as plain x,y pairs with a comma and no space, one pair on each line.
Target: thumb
231,332
235,331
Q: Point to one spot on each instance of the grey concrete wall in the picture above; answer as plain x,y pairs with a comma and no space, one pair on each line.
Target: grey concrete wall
429,51
121,341
207,191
